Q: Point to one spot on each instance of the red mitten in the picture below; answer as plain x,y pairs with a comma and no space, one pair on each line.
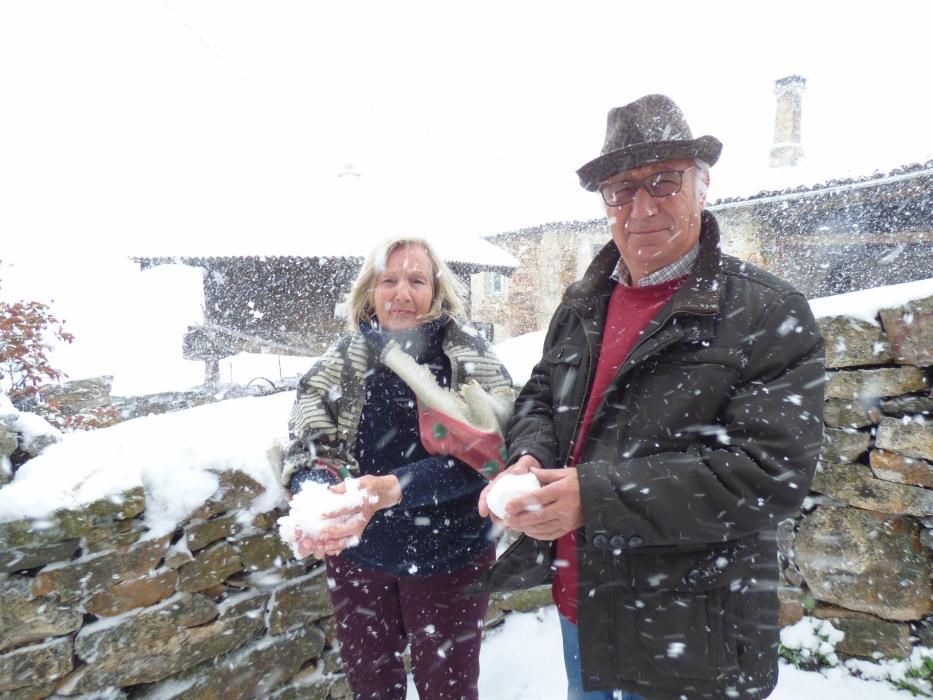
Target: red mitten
443,435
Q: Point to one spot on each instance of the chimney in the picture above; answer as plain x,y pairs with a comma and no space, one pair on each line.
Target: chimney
786,150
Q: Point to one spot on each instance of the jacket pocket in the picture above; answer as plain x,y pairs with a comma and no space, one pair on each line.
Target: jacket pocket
565,360
688,604
683,634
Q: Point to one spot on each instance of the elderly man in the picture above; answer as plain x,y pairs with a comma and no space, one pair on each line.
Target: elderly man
673,421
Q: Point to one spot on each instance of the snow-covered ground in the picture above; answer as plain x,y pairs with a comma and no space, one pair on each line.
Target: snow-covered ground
523,660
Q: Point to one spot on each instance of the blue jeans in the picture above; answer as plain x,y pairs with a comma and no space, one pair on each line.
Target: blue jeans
575,691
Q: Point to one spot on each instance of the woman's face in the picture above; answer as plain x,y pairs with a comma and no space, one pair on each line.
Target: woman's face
404,289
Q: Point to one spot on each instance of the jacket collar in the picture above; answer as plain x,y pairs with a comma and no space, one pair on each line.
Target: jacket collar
701,292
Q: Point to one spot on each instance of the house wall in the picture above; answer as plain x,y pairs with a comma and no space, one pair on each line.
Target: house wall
839,238
288,301
550,258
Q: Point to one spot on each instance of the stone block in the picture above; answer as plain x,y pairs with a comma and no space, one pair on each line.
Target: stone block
36,664
79,394
856,485
786,532
865,561
262,551
910,331
901,406
332,663
105,640
6,470
847,413
300,602
98,572
527,600
209,567
866,635
107,539
178,554
31,557
156,643
251,672
235,490
134,593
865,385
250,602
791,605
851,342
843,445
792,575
25,618
310,686
891,466
341,689
34,692
68,524
199,535
8,441
912,438
267,520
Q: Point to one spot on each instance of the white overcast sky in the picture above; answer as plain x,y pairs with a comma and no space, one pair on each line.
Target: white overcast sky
173,126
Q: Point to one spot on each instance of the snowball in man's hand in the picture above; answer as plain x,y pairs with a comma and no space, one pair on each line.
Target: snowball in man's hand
508,487
311,504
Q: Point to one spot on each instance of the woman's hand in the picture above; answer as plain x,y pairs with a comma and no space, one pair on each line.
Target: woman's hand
524,465
379,492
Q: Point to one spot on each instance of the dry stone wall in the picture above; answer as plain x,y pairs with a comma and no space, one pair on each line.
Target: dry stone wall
91,605
860,555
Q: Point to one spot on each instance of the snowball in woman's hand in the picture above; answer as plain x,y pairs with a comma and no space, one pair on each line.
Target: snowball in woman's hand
508,487
310,506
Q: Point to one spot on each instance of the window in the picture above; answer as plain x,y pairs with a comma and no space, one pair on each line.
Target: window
495,283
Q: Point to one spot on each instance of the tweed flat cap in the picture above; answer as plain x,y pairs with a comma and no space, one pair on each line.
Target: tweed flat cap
648,130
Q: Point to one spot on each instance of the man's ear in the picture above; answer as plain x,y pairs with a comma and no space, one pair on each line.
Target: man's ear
702,189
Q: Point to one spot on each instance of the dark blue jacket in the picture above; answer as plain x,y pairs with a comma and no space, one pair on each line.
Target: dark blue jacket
436,527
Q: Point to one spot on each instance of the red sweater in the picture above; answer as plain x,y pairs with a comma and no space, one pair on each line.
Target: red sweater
630,310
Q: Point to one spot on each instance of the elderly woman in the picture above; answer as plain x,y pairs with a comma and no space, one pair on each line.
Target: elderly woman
397,569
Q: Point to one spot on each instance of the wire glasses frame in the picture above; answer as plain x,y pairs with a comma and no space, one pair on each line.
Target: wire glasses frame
663,184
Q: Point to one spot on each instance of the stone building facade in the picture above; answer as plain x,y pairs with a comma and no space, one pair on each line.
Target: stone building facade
830,238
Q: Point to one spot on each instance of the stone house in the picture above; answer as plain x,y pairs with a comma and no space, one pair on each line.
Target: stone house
826,237
293,304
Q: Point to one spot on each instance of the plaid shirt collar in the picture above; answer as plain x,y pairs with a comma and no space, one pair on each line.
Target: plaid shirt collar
678,268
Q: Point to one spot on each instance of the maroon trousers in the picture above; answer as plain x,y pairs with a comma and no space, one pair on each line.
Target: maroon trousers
378,615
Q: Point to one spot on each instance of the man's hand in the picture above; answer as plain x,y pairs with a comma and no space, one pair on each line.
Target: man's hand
550,512
524,465
379,492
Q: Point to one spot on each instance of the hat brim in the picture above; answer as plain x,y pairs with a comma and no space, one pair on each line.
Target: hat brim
705,148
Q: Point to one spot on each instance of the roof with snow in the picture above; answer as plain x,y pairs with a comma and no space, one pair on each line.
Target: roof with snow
905,173
465,253
915,178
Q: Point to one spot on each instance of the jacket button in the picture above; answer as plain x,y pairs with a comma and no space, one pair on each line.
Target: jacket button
635,541
693,576
617,541
600,541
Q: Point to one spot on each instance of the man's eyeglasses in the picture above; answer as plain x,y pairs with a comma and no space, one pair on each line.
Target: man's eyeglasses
663,184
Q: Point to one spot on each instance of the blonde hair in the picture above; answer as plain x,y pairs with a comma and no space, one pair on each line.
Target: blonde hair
448,290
